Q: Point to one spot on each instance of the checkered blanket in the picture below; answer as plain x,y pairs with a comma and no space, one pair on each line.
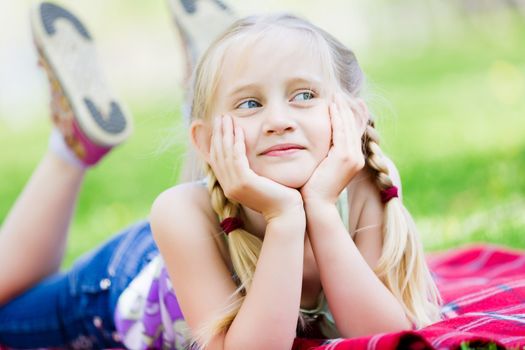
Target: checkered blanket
483,288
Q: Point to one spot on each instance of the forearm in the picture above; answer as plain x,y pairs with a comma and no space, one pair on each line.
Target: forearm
359,301
268,316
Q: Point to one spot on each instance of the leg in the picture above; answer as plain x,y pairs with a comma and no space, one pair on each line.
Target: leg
76,309
37,318
34,234
45,327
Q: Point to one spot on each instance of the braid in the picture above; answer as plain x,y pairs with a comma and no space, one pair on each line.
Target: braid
244,249
402,266
221,205
375,158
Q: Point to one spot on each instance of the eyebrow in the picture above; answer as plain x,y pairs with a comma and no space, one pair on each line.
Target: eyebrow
310,81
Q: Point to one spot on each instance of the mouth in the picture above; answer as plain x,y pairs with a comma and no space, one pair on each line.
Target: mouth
282,150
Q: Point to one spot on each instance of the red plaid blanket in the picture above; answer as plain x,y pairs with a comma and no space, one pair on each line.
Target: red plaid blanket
483,288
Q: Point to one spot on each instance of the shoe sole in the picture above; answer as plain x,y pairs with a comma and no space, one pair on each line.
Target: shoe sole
68,50
196,19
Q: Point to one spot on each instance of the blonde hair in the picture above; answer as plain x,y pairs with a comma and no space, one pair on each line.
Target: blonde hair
401,267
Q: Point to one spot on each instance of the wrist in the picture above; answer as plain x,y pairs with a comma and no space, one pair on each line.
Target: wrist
318,197
321,213
318,203
285,208
293,217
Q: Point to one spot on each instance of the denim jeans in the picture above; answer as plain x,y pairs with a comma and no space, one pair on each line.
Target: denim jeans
75,309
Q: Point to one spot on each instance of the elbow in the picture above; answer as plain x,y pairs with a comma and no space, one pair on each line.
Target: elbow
251,340
384,324
400,325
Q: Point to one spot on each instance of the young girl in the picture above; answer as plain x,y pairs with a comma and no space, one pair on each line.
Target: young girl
295,227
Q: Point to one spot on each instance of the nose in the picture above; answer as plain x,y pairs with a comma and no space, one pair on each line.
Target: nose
278,120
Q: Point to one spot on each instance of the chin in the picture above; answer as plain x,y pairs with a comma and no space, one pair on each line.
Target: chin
289,175
289,180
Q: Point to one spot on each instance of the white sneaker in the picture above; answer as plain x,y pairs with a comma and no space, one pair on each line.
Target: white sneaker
85,111
199,22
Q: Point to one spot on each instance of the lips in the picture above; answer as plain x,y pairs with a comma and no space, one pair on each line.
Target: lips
284,148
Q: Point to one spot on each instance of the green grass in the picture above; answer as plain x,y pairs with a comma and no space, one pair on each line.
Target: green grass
118,191
450,117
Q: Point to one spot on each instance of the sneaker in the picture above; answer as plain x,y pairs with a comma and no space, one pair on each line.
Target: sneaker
199,22
86,112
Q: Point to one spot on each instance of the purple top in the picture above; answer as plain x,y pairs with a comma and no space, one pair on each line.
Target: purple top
148,315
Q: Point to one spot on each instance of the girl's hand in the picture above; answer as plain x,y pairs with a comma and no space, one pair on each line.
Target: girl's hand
344,159
239,182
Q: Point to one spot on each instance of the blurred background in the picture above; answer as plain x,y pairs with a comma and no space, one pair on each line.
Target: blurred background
446,81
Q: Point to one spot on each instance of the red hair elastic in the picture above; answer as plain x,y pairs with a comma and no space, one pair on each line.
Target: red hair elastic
231,223
388,194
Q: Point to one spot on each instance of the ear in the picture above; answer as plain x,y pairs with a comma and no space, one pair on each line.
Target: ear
361,115
200,136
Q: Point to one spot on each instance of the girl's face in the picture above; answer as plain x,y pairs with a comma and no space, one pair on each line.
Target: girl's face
276,91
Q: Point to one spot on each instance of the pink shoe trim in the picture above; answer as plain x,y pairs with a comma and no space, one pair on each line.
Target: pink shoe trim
89,152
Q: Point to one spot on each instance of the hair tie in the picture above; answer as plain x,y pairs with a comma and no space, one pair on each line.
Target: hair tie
388,194
231,223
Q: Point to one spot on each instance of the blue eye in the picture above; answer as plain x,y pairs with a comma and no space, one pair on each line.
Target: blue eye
249,104
303,96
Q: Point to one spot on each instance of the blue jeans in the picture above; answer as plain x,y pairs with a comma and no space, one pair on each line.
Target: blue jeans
75,309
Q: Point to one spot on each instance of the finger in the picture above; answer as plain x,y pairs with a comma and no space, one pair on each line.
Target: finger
355,136
239,149
232,168
227,141
216,140
352,136
338,134
212,138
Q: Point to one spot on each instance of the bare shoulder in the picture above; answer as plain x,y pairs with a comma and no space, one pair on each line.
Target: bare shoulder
182,216
364,197
186,200
186,231
362,191
367,212
366,216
